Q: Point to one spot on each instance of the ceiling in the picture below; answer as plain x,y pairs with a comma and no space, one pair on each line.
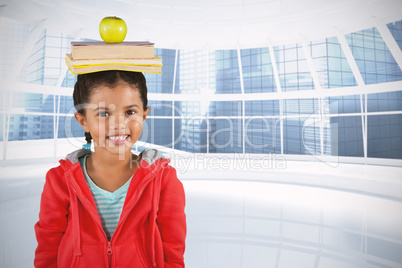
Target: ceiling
204,24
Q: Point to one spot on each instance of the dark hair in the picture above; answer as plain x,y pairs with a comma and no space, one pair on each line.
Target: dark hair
87,83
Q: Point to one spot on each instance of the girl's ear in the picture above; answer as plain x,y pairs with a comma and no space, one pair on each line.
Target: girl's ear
146,112
82,121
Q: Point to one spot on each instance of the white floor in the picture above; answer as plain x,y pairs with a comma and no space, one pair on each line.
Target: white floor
302,215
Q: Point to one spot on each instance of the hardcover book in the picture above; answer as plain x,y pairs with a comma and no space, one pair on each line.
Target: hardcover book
83,69
156,61
102,50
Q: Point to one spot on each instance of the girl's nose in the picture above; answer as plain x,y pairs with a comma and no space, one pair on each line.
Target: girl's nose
117,122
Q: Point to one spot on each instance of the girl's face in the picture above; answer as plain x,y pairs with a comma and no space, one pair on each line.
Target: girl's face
114,117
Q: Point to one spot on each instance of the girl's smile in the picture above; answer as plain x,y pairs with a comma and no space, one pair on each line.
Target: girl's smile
118,139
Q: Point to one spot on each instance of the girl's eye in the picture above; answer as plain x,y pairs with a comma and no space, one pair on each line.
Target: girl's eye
103,114
130,112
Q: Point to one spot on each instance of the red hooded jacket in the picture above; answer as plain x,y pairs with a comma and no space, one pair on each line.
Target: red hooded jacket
151,231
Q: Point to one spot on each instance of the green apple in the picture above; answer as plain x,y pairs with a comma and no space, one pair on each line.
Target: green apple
112,29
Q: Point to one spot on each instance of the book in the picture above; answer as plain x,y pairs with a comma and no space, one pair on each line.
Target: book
84,69
102,50
156,61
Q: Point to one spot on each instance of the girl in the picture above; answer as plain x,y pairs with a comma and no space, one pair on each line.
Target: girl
111,208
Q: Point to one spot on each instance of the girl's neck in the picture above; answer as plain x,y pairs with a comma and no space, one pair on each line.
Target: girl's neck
103,160
109,171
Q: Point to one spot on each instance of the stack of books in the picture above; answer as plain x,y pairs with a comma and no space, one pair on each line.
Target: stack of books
89,57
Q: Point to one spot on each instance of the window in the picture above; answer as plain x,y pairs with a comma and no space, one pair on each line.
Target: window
235,103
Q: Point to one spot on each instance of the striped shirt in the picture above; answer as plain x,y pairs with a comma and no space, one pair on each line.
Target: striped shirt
108,204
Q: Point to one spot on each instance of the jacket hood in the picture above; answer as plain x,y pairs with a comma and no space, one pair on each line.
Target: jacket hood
149,156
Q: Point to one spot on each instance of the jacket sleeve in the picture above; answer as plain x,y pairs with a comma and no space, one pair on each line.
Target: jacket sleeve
52,221
172,220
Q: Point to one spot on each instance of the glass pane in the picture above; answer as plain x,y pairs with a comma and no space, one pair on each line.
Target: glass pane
70,128
69,80
292,67
396,31
162,83
262,108
227,72
196,69
31,102
383,102
157,131
225,136
262,135
190,108
30,127
300,106
46,62
349,140
66,105
330,138
384,136
191,135
330,63
160,108
342,104
225,108
365,46
257,70
301,136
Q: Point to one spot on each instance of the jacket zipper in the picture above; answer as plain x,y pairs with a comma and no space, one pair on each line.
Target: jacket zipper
109,248
109,252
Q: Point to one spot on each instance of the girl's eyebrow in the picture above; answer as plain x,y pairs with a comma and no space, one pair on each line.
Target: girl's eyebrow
131,106
127,107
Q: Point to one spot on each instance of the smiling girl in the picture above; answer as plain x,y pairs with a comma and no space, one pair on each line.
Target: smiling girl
111,208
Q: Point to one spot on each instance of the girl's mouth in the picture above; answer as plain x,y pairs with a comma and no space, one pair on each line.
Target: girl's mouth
118,139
